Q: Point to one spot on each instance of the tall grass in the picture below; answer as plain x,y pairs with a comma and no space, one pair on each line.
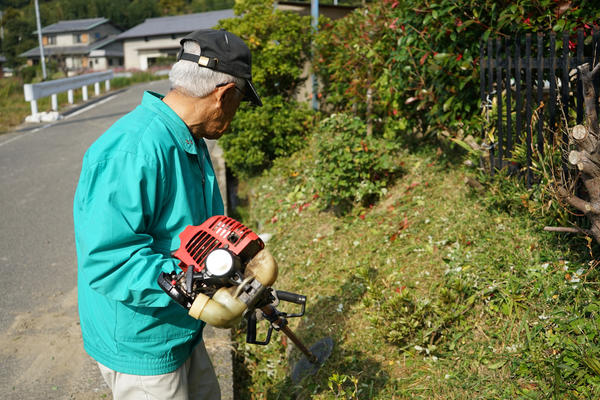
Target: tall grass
430,294
14,108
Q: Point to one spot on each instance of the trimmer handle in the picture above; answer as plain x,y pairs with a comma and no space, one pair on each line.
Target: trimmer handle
292,298
276,318
251,331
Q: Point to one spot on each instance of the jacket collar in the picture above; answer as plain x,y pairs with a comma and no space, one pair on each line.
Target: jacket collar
178,127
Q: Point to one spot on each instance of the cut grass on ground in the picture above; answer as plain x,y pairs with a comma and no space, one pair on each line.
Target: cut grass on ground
430,294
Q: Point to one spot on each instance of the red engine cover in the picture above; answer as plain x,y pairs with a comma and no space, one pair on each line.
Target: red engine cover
214,233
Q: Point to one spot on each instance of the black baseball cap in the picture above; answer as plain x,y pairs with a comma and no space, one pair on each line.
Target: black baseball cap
224,52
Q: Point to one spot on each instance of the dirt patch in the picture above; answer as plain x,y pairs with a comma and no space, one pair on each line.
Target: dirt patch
44,358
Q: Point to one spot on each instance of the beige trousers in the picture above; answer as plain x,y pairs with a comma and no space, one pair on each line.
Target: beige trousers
194,380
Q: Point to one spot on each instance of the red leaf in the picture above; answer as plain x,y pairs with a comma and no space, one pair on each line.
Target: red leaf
412,185
422,60
364,146
400,289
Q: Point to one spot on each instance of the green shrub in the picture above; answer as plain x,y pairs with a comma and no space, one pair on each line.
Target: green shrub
136,77
413,65
29,73
352,167
260,135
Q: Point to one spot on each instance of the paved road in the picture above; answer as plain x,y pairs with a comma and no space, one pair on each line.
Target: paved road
40,344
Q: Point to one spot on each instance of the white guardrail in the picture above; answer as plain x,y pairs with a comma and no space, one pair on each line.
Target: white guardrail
34,91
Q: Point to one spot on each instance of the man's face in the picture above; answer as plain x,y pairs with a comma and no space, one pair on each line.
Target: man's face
228,103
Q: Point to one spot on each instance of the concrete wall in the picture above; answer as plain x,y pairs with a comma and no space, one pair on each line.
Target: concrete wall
98,63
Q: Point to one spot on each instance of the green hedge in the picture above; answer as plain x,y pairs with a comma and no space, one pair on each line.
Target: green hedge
259,135
419,59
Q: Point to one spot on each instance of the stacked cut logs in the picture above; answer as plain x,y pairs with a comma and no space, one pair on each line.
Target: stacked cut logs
586,157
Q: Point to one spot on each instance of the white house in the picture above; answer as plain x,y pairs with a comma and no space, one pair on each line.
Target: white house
80,44
155,38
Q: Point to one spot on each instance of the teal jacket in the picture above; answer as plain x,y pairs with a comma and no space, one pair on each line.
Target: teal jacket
142,182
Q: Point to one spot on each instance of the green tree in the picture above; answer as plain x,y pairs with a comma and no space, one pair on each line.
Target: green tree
279,41
18,38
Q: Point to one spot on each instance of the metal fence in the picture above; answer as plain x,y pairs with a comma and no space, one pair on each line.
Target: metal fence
35,91
530,85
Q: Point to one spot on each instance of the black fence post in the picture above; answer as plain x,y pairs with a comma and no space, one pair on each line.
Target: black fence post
579,82
499,126
490,86
540,91
565,98
482,83
528,111
596,55
519,97
552,94
508,86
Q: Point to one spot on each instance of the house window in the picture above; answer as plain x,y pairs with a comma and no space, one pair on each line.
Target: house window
77,38
51,39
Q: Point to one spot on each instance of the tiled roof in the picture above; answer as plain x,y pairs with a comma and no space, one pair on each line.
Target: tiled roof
74,25
57,50
103,42
71,50
180,24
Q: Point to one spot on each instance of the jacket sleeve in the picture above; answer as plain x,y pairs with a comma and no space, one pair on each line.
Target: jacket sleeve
115,205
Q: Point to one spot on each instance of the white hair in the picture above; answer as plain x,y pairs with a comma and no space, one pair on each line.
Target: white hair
196,81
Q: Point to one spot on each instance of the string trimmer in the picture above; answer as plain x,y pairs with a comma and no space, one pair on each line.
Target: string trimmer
226,275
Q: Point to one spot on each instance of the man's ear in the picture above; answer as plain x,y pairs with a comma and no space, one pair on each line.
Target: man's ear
222,91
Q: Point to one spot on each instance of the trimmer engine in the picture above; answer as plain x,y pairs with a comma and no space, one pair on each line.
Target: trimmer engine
212,255
227,273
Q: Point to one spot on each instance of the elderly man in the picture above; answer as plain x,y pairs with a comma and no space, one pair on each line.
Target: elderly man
142,182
